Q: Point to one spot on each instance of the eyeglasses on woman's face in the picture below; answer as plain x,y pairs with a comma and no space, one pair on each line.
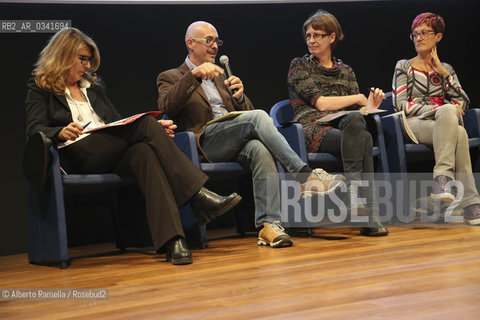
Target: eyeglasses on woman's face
316,36
209,41
85,59
423,34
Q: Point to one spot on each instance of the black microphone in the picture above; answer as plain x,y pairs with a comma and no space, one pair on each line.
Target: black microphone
224,60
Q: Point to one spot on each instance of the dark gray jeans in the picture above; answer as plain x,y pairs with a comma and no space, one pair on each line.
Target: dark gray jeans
351,140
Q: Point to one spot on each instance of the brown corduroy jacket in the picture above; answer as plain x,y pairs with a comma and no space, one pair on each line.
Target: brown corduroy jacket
181,97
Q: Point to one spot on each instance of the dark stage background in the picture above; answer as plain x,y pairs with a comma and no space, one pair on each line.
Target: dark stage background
138,41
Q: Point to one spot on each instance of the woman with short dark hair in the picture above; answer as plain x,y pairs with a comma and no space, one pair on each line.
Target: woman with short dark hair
320,84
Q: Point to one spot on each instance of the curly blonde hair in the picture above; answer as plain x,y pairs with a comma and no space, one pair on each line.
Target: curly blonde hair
58,57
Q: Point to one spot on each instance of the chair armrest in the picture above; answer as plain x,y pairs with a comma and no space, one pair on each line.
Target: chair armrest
374,126
471,122
187,143
394,143
295,137
36,160
379,141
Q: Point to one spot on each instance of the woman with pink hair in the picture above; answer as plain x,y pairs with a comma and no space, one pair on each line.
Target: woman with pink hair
430,94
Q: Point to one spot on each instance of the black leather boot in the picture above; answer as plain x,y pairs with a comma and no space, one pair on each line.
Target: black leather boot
178,252
207,205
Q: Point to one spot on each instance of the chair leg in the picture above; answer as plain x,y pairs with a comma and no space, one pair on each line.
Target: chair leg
47,226
196,235
309,232
113,205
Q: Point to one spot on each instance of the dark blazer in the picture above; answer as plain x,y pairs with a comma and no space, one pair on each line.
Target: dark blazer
49,113
182,98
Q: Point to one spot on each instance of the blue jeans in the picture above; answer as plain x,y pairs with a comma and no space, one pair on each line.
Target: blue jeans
252,139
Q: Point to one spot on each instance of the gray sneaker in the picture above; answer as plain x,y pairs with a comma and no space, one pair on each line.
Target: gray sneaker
321,182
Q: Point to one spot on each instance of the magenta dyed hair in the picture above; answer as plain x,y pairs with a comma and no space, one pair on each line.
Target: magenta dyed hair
431,19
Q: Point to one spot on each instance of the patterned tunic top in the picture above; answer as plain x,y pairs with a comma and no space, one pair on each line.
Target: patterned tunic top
416,92
307,81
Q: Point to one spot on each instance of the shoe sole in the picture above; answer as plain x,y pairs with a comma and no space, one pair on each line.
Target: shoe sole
376,234
280,243
445,197
474,222
180,261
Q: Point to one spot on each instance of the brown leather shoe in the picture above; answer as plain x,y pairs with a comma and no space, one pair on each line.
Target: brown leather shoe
274,235
472,214
441,190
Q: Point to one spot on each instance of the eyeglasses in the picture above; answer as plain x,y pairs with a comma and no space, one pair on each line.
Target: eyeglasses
316,36
423,34
85,59
209,41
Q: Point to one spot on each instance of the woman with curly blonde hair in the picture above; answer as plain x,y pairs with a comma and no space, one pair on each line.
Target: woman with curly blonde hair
63,98
57,58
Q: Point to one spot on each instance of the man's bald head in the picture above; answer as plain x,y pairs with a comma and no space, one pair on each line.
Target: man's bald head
197,29
202,41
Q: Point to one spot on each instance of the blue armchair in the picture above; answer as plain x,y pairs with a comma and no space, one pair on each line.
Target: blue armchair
49,191
282,115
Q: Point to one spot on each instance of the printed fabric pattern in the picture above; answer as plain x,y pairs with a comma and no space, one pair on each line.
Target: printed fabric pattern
307,81
415,91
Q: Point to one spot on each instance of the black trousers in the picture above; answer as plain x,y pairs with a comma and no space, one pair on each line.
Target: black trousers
142,150
351,140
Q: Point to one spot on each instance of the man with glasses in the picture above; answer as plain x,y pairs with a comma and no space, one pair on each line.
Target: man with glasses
197,92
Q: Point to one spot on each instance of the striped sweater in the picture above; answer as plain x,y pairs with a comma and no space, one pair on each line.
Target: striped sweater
416,92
